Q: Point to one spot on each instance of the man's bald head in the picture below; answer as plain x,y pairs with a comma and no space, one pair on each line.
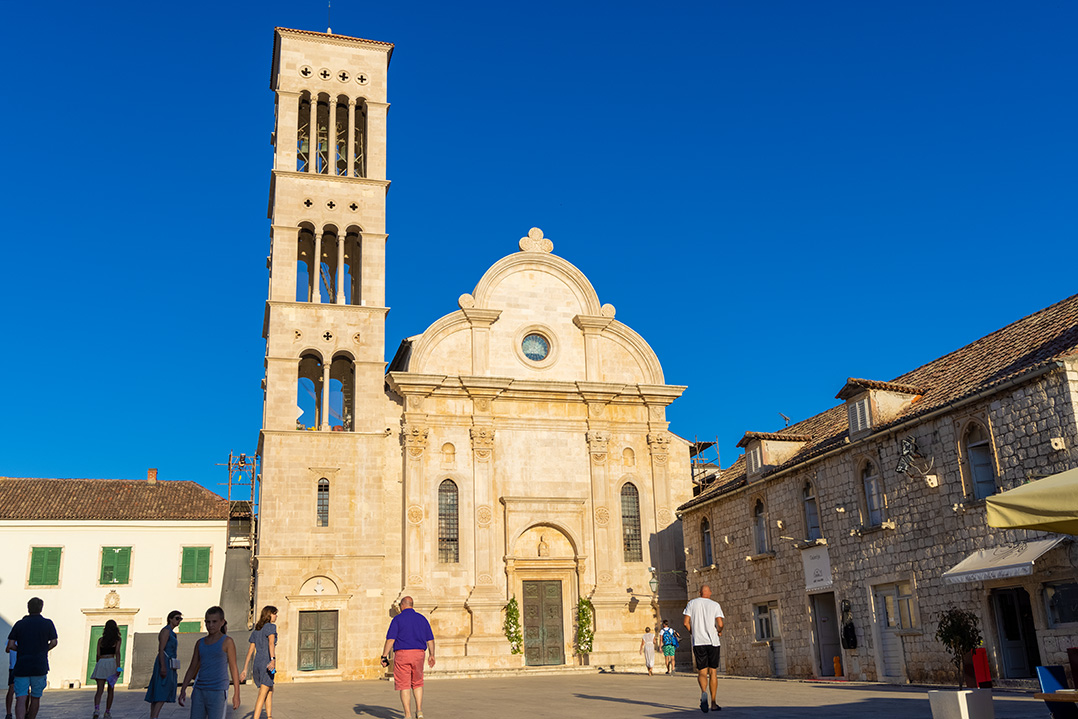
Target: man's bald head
705,592
406,602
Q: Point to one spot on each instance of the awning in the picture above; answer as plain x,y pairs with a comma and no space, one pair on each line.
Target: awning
1049,504
1010,560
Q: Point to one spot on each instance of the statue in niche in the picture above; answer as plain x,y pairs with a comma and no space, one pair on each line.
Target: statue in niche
544,548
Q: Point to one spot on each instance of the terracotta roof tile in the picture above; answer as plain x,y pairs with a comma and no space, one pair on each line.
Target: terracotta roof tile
24,498
854,385
776,436
1021,347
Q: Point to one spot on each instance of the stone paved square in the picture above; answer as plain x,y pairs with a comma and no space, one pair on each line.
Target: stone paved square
625,696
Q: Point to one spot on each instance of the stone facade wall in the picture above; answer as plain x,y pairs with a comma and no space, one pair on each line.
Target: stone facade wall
934,529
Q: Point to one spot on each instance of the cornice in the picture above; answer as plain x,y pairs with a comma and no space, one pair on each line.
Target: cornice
322,38
294,228
339,179
359,309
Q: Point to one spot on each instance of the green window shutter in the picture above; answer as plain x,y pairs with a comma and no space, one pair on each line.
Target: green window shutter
123,565
37,565
108,565
196,565
45,566
203,570
52,566
187,569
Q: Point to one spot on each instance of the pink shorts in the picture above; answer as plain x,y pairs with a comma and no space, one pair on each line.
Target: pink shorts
408,668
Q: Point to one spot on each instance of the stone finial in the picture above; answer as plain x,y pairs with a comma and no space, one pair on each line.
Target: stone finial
535,242
607,310
466,301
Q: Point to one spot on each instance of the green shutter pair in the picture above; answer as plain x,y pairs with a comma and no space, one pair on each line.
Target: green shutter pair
45,566
196,566
115,565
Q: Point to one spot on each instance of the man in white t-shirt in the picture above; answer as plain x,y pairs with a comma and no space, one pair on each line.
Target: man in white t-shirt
704,621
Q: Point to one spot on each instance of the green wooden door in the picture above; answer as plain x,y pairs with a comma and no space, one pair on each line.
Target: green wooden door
543,634
91,658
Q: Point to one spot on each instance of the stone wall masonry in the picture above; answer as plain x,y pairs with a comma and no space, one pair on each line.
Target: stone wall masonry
935,528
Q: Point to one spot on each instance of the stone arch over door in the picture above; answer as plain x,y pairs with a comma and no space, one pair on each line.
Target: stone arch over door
543,573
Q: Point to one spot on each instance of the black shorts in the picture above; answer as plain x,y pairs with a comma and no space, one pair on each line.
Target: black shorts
707,657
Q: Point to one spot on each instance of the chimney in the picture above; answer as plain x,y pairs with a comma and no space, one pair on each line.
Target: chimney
151,475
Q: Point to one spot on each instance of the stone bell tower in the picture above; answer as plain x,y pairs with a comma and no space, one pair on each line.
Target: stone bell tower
326,541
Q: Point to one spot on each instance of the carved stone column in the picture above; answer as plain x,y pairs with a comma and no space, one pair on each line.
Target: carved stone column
487,599
414,441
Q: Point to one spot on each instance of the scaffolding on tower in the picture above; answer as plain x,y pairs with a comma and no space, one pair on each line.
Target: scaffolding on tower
704,457
243,491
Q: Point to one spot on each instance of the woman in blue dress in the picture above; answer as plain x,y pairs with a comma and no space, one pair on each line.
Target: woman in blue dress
263,646
162,687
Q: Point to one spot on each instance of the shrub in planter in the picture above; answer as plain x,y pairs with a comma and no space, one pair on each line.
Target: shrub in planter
959,632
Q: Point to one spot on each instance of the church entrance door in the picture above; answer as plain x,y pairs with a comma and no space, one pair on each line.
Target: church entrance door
544,642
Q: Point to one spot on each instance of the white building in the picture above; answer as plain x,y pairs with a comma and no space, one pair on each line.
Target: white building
100,549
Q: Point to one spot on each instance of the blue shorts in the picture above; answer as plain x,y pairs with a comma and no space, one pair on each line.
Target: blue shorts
209,704
34,686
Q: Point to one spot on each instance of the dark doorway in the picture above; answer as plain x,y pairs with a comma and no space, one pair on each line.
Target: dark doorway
1017,636
543,634
825,628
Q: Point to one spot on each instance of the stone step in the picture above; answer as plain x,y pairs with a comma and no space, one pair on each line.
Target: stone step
477,673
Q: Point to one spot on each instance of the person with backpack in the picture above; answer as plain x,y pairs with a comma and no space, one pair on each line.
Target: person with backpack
668,638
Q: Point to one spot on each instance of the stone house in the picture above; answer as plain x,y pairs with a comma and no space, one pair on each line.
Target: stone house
100,549
869,518
517,448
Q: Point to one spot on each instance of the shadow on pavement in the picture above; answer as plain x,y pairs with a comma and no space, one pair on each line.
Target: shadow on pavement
367,710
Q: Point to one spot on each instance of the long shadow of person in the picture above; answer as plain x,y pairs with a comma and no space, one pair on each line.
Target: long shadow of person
366,710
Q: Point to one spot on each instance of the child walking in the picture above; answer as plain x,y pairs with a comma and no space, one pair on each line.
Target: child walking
213,662
263,647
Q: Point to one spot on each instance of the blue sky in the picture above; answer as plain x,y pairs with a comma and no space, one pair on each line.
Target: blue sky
776,195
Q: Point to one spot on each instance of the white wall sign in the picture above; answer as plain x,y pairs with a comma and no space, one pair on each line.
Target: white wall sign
817,563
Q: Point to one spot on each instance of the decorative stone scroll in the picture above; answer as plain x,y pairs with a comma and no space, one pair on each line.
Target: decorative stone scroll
112,600
466,301
598,442
482,442
535,242
659,444
414,439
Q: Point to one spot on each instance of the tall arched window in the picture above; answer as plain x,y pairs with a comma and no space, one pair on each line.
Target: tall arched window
759,527
448,523
630,523
812,512
323,502
873,488
705,541
982,471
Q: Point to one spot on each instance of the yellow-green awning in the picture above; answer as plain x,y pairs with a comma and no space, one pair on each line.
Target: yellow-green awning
1049,504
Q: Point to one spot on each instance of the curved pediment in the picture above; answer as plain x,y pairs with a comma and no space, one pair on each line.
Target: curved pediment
534,316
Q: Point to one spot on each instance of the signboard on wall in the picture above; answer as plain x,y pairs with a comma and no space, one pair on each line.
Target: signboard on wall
817,564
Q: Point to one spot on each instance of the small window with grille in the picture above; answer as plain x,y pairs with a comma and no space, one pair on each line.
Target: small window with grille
448,523
630,523
323,502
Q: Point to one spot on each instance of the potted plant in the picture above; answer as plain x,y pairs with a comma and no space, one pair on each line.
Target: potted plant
959,632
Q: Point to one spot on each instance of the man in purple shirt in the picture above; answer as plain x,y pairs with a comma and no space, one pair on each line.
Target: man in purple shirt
409,638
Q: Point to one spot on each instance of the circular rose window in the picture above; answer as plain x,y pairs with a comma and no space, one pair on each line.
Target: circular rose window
535,347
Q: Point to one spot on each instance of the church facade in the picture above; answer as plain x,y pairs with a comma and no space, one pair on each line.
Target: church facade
517,449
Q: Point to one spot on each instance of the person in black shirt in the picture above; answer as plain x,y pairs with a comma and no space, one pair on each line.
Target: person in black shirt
34,636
